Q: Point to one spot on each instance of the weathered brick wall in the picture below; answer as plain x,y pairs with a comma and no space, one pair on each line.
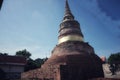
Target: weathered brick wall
78,58
74,65
47,72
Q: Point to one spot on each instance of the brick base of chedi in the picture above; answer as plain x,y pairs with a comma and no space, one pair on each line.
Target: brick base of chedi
69,61
72,58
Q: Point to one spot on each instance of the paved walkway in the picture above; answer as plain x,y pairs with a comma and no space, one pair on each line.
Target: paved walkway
108,73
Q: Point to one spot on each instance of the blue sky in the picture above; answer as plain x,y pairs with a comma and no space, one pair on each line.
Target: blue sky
34,25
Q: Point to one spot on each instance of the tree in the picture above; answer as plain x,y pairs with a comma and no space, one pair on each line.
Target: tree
114,61
40,61
33,64
24,53
30,65
114,58
5,54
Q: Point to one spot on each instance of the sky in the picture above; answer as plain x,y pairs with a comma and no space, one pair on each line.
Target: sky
34,25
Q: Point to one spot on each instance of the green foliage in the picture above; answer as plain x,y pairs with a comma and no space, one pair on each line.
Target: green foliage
31,64
24,53
114,61
114,58
39,61
5,54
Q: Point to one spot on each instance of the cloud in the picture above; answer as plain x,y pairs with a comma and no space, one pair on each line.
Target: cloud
108,24
110,7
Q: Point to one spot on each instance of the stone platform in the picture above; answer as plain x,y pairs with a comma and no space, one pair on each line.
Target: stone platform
69,61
